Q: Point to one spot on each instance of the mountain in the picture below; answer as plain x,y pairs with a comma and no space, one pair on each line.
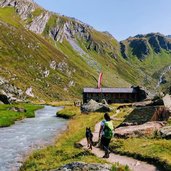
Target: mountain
46,56
144,45
151,53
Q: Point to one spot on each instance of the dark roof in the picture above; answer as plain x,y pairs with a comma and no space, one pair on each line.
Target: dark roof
109,90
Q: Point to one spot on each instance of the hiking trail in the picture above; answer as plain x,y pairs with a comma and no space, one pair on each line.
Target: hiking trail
134,164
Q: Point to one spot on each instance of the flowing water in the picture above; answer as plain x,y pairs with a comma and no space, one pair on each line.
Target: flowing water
16,141
166,70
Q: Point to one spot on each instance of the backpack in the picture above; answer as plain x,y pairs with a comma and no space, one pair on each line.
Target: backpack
108,130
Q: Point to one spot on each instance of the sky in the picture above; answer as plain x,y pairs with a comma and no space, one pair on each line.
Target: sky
121,18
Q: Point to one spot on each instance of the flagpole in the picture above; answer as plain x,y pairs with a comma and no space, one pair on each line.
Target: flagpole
99,86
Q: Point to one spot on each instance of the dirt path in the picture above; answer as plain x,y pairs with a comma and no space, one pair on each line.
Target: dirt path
133,164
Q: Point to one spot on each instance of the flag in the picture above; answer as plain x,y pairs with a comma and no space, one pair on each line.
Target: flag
100,80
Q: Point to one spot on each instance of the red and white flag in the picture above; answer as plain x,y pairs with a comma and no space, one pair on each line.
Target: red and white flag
100,80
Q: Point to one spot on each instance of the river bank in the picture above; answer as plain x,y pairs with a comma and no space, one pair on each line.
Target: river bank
8,114
65,149
27,135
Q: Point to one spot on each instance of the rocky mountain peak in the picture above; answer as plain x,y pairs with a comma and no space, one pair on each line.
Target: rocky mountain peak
59,28
141,44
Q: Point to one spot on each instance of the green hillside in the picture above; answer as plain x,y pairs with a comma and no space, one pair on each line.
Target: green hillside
56,56
150,53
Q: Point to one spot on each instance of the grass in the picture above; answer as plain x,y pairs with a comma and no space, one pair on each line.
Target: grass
8,117
68,112
150,149
62,103
8,16
155,151
64,150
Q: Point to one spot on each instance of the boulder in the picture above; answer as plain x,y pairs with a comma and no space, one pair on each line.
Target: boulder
93,106
167,101
81,166
4,99
166,132
158,102
143,103
146,129
17,109
1,102
161,114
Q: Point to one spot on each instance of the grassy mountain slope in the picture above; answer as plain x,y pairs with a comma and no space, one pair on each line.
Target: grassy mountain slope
150,53
26,58
57,56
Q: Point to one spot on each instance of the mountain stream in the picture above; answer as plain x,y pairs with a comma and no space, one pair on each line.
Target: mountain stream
16,141
161,78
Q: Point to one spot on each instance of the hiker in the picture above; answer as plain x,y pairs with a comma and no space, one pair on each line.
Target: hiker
105,134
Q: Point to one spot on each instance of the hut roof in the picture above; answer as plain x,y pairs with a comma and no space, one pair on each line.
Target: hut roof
109,90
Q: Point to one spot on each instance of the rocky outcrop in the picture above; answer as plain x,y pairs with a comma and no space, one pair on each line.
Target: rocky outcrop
123,50
146,129
154,43
161,114
81,166
29,92
93,106
139,48
141,44
141,115
10,93
167,102
4,99
73,30
23,7
166,132
39,23
158,42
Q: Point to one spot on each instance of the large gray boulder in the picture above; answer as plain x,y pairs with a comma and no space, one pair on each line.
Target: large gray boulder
166,132
167,101
93,106
81,166
146,129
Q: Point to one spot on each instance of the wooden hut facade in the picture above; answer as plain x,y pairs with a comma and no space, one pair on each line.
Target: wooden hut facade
114,95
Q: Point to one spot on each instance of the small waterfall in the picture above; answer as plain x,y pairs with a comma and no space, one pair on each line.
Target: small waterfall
161,78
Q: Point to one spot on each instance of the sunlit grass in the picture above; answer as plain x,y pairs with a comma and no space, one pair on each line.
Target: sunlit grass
156,150
68,112
8,117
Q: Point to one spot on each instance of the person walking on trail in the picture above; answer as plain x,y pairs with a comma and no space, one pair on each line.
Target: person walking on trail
106,134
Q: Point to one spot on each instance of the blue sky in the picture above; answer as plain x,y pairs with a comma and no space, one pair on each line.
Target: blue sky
122,18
